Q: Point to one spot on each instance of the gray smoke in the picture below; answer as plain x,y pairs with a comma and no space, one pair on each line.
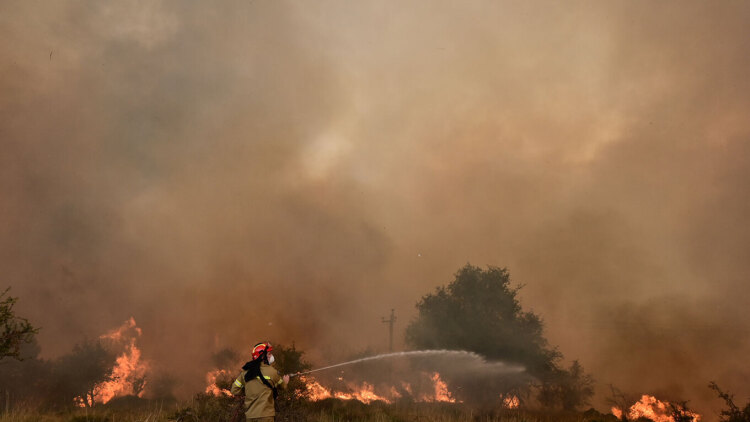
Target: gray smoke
228,173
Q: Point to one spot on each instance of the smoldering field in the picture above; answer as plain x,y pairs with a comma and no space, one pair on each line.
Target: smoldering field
286,171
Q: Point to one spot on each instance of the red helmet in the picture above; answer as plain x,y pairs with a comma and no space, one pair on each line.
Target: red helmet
261,348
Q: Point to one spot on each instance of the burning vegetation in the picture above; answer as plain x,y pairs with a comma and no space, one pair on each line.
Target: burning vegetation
97,373
212,381
127,377
291,170
365,392
649,407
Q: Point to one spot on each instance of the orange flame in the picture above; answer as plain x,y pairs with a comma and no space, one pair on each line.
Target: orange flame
407,387
316,391
128,374
82,402
118,333
366,392
650,407
212,388
441,390
511,402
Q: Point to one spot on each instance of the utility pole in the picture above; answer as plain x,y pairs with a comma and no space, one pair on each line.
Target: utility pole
390,322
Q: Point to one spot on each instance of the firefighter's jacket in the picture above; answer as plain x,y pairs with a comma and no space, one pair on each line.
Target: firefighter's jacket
258,397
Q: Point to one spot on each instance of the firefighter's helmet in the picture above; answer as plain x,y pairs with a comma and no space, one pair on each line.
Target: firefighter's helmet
262,349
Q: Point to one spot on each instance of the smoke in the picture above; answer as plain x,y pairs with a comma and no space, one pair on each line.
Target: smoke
286,171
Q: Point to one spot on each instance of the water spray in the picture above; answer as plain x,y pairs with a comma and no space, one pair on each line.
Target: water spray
419,353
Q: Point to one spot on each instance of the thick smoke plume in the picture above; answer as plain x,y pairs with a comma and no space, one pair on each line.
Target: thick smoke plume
232,172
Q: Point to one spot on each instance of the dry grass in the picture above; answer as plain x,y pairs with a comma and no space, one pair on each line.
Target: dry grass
88,415
324,411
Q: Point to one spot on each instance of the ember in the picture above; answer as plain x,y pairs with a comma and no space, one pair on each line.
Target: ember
511,402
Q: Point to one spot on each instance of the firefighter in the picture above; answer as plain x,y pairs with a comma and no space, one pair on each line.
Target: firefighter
260,381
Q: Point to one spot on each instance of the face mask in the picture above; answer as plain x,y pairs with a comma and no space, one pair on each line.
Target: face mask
270,359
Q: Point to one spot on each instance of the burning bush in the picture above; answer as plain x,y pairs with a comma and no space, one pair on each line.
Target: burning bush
81,372
94,372
105,379
652,409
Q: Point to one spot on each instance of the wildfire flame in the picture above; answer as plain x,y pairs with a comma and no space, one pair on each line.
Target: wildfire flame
441,390
211,378
654,409
120,332
511,402
128,374
366,392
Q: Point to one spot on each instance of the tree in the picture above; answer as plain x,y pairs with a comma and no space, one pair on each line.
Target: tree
621,401
16,331
479,311
567,389
733,413
79,372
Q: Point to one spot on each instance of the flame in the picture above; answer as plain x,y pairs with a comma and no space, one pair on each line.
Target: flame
129,372
441,390
120,332
407,387
364,393
316,391
81,402
211,378
511,402
656,410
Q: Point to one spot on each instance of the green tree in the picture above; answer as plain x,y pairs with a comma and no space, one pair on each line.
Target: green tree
16,331
479,311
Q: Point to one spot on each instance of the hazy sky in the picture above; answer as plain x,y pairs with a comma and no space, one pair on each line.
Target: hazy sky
248,170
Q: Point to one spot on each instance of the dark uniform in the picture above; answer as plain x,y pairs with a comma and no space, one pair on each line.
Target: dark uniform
259,403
